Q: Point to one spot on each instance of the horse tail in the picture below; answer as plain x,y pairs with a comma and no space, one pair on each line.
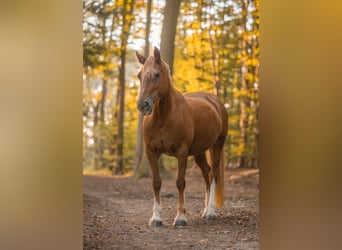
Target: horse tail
219,190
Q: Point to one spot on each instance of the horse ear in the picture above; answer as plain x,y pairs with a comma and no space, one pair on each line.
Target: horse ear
140,58
156,53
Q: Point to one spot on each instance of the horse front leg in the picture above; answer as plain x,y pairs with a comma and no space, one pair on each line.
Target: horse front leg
153,158
180,219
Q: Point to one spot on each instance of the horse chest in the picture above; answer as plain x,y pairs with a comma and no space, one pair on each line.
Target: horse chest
161,141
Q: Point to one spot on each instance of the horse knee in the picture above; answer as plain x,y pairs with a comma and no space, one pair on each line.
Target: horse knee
156,184
180,183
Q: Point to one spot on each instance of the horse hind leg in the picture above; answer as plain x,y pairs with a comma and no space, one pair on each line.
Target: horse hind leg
201,161
216,179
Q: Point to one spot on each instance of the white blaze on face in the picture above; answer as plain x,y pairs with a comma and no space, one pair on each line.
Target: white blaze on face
148,75
141,91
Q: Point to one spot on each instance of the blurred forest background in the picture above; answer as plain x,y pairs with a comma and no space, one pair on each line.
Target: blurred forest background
210,45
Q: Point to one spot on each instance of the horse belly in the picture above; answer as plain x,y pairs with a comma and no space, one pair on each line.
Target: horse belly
206,132
203,141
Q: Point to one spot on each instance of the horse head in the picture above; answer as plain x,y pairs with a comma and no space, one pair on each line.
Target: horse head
154,79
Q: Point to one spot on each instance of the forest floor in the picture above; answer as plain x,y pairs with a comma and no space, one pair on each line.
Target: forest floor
116,211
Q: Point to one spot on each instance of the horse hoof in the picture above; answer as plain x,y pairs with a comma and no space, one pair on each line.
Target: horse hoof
179,223
156,223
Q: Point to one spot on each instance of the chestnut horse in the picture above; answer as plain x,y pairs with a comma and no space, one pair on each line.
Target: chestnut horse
181,126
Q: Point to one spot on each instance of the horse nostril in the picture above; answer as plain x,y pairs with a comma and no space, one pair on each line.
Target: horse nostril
145,105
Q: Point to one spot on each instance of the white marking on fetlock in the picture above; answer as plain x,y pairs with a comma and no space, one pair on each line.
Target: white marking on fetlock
206,203
211,205
205,212
180,217
156,216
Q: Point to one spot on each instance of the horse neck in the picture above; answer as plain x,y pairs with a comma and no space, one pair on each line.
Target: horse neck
164,104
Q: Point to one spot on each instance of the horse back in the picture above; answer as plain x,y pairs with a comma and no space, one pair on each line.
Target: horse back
205,102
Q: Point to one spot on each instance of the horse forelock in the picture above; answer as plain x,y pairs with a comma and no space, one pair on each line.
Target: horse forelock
151,67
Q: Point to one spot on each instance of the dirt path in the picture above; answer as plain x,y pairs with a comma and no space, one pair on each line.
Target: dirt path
116,212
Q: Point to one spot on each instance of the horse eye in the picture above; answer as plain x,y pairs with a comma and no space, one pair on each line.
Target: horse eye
156,75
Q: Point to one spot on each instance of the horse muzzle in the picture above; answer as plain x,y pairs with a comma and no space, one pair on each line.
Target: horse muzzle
145,106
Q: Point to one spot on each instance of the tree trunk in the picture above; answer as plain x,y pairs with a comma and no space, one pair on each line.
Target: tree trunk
244,99
214,55
139,149
119,166
168,33
97,156
103,99
214,65
255,98
126,24
101,142
114,139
